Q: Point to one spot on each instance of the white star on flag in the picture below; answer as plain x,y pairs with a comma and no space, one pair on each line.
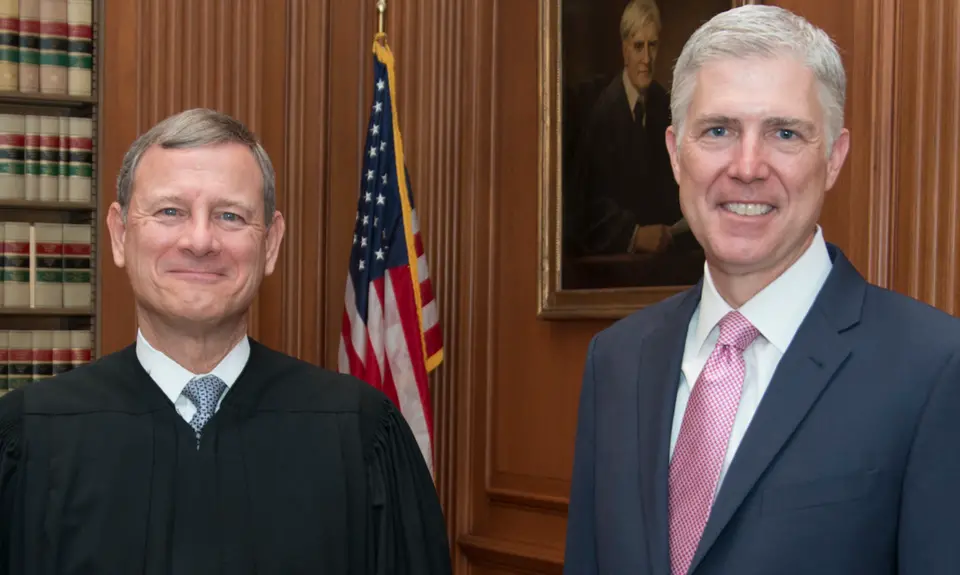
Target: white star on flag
369,175
381,199
378,106
379,254
380,85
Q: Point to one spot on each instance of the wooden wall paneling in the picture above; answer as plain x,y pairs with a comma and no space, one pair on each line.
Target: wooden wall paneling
461,404
345,124
120,101
305,168
929,82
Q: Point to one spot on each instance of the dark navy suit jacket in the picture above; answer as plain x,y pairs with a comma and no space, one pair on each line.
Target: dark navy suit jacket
851,464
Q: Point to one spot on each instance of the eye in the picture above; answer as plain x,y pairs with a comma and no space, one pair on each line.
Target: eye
170,212
717,131
231,217
785,134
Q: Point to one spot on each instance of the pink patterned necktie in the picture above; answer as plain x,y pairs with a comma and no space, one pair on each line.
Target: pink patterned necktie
702,444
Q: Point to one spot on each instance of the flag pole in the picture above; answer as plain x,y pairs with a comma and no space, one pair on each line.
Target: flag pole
381,8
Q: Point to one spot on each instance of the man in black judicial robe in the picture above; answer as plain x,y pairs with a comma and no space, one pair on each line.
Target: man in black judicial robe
198,449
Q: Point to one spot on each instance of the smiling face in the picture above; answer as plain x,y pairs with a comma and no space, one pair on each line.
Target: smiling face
753,168
195,244
640,55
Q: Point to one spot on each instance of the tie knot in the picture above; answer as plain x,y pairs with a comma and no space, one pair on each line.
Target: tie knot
736,331
205,392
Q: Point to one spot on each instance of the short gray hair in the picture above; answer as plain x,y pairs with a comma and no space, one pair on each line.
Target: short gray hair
193,129
636,14
764,31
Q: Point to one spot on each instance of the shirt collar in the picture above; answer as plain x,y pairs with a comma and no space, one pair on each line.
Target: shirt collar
778,309
173,377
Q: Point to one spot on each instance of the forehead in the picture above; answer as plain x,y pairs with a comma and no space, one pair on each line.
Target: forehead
228,169
756,87
644,32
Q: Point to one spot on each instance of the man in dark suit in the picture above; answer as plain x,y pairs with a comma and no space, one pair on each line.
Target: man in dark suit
783,416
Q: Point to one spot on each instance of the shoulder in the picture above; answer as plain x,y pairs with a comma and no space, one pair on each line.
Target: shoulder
628,333
920,329
295,384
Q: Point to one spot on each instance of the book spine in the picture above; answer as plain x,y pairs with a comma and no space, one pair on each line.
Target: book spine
63,156
29,46
48,263
49,158
81,347
12,156
61,352
53,46
9,45
20,359
42,354
32,158
80,160
77,288
80,47
16,264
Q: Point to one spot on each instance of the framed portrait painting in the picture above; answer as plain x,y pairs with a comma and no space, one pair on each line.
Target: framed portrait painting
612,236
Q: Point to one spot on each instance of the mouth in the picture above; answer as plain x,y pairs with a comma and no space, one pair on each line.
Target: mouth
196,275
747,209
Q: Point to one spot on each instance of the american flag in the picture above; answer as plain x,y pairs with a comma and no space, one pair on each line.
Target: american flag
390,335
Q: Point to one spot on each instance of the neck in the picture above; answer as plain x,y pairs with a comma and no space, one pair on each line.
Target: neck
198,348
738,287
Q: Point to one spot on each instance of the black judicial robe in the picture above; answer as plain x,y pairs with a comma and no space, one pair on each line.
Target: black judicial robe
300,471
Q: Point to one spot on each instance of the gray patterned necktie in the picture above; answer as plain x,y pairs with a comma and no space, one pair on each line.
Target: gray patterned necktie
204,392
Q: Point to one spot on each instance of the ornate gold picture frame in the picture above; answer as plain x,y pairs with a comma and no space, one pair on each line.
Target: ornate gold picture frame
598,257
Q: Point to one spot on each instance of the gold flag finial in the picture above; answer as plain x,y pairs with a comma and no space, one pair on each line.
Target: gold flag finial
381,8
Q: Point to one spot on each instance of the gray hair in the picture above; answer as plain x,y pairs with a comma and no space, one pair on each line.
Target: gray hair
193,129
764,31
636,14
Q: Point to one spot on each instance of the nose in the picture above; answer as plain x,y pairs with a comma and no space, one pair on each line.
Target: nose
749,162
645,54
199,237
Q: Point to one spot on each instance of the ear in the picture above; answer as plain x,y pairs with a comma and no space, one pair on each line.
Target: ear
274,239
837,156
672,150
118,232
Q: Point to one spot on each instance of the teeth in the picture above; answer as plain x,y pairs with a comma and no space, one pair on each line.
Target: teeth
748,209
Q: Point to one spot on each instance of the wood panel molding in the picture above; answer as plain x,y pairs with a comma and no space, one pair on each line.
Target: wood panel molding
516,557
928,77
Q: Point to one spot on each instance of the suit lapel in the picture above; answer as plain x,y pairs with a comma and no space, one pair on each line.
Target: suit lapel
811,361
659,375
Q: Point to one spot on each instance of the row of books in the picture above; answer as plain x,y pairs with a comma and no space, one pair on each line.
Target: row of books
31,355
46,158
46,265
46,46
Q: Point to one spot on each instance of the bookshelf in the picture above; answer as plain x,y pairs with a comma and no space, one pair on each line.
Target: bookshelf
49,181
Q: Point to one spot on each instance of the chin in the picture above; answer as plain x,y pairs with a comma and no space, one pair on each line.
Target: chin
738,254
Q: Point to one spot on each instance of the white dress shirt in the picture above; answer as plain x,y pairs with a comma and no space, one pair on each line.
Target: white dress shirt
777,312
173,378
